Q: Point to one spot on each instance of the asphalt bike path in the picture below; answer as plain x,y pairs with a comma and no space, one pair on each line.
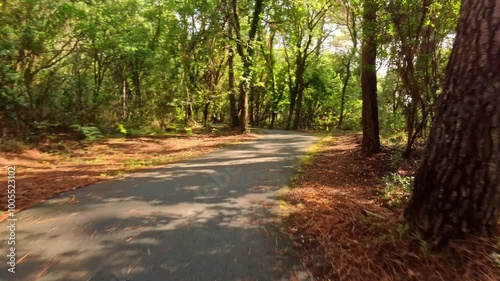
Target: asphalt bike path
215,217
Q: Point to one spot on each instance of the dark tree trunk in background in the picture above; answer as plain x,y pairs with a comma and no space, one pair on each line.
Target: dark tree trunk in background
299,84
371,139
251,104
235,121
457,186
344,92
246,51
270,61
273,119
205,113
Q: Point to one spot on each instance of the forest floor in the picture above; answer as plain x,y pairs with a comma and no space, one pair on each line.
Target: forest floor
54,167
343,230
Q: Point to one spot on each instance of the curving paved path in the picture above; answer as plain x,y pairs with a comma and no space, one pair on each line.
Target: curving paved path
210,218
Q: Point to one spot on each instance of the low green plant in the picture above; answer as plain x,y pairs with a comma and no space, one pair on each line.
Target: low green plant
122,129
91,133
397,189
189,131
75,127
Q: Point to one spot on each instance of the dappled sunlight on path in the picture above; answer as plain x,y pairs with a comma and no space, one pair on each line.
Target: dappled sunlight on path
211,218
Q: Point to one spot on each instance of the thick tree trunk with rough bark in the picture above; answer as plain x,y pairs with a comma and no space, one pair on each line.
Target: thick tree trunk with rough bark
457,186
371,139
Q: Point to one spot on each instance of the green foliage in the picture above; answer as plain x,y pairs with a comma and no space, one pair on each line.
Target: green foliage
397,189
91,133
391,103
75,127
122,129
152,66
188,131
46,125
352,114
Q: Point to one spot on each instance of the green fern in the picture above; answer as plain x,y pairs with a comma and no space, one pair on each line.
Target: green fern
92,133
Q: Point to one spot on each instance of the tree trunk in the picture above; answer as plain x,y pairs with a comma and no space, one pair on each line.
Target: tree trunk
371,139
136,80
351,19
205,113
124,98
188,120
299,84
246,51
270,60
235,122
415,50
273,119
456,190
243,102
291,107
251,104
344,92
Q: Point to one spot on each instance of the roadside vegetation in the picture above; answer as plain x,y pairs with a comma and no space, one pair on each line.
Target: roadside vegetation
346,221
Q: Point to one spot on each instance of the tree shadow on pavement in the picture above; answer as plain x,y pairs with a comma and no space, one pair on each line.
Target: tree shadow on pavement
212,218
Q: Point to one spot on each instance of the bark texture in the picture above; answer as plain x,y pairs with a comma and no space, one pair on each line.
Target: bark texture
456,190
371,139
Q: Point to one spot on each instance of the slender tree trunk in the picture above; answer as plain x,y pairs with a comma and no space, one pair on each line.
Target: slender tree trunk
205,113
291,107
246,51
273,119
457,186
136,80
293,89
235,121
299,82
351,19
344,92
272,81
416,51
319,40
79,92
371,139
188,120
251,103
124,98
243,102
258,105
